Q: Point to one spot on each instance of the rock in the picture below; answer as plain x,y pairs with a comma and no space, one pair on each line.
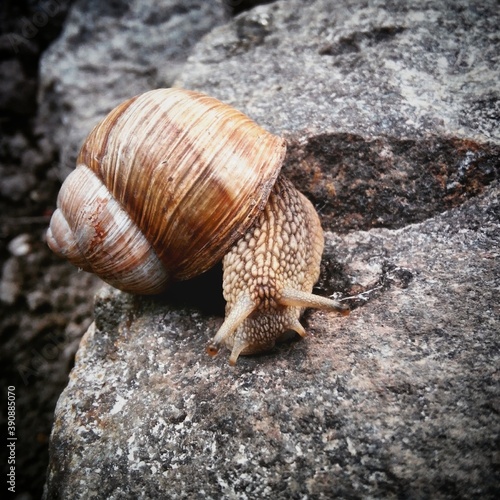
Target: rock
362,94
11,281
17,186
391,134
20,245
29,356
358,68
109,52
399,399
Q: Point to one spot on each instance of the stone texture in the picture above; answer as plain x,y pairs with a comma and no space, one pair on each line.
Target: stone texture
366,91
108,52
361,182
393,135
401,399
368,68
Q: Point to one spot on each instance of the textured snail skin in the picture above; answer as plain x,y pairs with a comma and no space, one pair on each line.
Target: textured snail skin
269,275
172,181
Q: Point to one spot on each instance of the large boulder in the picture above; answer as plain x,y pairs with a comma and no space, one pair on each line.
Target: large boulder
387,109
108,52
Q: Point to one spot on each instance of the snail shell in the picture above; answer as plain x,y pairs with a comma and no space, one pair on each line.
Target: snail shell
164,186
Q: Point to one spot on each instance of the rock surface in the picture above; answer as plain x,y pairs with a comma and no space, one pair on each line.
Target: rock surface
111,51
364,92
401,399
369,68
393,135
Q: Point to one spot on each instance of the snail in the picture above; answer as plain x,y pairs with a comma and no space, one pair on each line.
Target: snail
172,181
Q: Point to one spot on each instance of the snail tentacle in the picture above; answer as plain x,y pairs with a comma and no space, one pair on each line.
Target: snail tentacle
299,298
241,310
297,327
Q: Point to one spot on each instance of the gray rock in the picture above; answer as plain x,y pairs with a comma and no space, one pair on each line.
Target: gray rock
393,135
401,399
10,281
365,68
17,186
363,92
109,52
20,245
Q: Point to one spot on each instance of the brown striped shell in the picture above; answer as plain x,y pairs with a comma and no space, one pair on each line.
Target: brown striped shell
163,187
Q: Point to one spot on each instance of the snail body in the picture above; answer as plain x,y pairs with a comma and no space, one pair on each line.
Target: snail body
172,181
